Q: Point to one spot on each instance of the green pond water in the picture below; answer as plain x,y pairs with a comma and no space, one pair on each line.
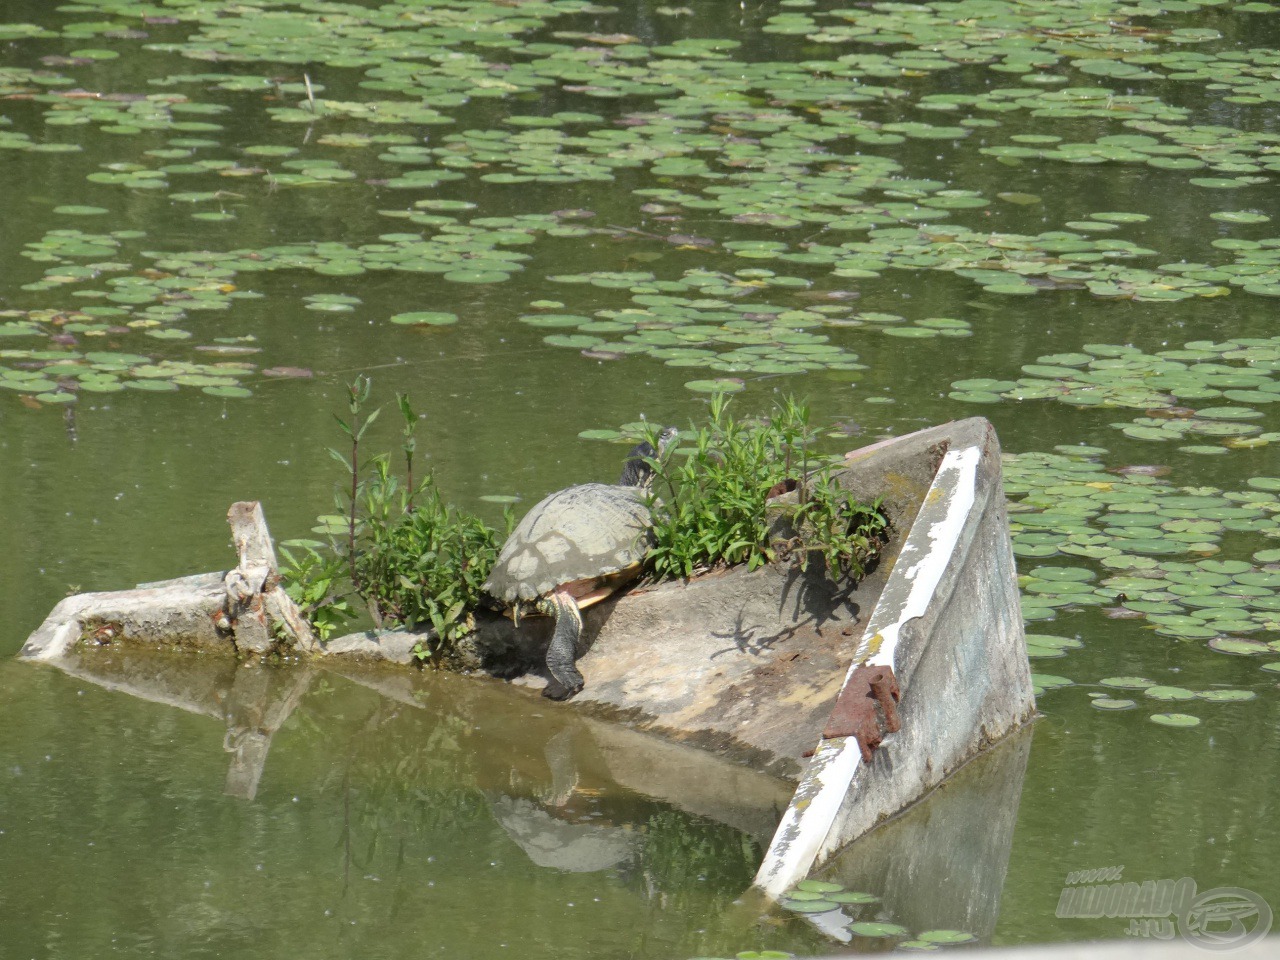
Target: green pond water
546,218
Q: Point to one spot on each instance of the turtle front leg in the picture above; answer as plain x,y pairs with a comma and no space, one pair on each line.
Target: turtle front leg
565,678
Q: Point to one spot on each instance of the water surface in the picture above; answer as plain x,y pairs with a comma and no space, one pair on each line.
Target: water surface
841,176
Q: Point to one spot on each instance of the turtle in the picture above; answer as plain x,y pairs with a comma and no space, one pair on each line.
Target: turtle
576,547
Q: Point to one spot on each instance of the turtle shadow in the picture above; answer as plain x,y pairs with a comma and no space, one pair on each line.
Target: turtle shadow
809,605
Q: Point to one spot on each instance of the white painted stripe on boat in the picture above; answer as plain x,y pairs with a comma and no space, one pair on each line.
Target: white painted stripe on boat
821,792
927,562
809,816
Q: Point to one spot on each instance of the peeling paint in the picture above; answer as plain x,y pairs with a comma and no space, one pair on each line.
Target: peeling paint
924,564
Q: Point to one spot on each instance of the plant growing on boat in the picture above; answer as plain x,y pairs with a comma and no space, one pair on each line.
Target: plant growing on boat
316,580
717,506
411,558
419,560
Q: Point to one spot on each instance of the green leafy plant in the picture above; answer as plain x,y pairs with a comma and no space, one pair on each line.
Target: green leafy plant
313,578
411,558
419,560
717,507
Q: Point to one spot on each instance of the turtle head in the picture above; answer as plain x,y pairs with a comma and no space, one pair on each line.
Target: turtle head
638,471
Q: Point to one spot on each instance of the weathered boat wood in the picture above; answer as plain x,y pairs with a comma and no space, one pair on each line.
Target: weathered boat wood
766,667
949,626
753,664
241,610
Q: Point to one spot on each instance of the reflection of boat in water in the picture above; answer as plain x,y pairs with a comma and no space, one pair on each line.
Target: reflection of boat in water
578,795
253,702
562,762
942,863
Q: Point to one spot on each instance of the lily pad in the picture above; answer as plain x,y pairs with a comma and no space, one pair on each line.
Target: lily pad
1238,646
728,385
946,936
853,897
1227,696
425,318
876,929
818,886
1112,703
809,906
1128,683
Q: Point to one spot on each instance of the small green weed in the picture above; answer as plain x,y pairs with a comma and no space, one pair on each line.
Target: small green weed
313,578
714,508
411,558
419,560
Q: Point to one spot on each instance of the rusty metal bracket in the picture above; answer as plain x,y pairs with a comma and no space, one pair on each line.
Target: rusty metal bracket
854,714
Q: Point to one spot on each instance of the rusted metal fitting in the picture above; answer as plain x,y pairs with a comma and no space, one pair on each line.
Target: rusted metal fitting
854,714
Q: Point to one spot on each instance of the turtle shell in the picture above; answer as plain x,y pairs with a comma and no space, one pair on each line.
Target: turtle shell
579,533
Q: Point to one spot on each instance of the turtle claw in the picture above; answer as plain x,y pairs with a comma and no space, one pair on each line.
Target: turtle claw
564,681
555,690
